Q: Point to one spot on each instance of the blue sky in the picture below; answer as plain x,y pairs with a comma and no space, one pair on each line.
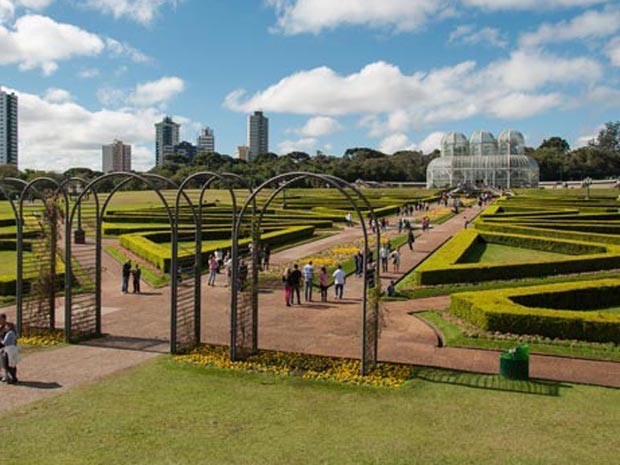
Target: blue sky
389,74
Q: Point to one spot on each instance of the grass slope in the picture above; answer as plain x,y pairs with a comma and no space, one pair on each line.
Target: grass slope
488,252
165,413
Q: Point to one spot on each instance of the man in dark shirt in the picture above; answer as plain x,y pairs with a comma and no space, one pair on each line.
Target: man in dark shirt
126,274
295,281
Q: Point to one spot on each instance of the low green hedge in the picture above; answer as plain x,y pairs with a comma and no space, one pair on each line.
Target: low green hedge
147,248
443,267
503,310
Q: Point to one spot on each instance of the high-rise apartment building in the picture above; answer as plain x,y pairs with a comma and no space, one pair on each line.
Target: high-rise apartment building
206,141
166,137
8,128
258,134
116,157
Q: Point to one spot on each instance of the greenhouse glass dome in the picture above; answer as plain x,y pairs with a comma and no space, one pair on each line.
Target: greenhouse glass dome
483,161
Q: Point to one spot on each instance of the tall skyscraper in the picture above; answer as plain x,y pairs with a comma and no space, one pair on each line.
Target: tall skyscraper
8,128
116,157
206,141
166,137
258,134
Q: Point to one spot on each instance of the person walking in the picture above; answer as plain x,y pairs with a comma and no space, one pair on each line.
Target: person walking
266,256
339,280
395,255
359,264
228,269
213,267
383,253
136,273
308,272
295,284
286,280
219,256
126,274
10,352
410,239
323,283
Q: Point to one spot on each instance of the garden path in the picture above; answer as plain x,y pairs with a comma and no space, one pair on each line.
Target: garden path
138,326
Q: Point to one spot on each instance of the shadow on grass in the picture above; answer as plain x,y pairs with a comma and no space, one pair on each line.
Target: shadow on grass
490,382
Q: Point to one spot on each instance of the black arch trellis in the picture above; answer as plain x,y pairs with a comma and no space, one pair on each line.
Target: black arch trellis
85,320
46,233
186,302
244,319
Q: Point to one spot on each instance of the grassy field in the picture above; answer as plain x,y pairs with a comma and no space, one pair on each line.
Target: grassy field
487,252
453,336
167,413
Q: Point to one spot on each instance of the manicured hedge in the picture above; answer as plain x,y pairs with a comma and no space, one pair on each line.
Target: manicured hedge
145,245
501,310
443,267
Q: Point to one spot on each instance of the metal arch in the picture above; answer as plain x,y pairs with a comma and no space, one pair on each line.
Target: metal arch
125,177
375,319
20,248
212,176
338,184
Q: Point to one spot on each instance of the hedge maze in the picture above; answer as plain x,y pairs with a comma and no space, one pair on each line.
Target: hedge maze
583,235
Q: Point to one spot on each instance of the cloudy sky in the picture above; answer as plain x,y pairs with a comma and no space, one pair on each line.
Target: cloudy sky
389,74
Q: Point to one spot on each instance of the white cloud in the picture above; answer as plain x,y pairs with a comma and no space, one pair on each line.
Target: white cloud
536,5
301,145
430,142
591,24
7,11
124,49
40,42
390,102
315,16
467,34
76,135
141,11
36,41
34,4
613,51
156,92
394,143
55,95
110,96
88,73
302,16
320,126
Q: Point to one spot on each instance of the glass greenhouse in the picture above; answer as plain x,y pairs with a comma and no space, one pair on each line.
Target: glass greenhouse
483,161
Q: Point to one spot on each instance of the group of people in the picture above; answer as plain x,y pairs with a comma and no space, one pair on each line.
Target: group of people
386,255
131,273
9,350
294,279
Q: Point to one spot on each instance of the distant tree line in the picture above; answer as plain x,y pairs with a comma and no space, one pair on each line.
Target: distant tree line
599,159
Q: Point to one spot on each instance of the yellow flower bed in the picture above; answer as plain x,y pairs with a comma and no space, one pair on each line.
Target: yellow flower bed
346,251
314,367
323,261
42,337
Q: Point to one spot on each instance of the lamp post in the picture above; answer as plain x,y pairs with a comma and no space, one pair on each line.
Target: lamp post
79,236
282,184
586,183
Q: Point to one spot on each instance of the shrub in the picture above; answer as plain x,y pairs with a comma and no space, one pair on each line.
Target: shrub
506,311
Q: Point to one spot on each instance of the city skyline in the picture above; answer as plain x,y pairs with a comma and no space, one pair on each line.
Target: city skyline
389,78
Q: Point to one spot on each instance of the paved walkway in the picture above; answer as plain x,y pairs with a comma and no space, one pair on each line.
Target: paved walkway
139,329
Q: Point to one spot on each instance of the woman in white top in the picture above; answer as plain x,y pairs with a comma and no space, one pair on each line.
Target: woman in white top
10,354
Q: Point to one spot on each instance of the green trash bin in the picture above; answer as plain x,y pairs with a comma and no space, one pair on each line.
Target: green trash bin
515,364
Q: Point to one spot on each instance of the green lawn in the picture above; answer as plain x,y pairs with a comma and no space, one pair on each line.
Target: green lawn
484,252
166,413
453,337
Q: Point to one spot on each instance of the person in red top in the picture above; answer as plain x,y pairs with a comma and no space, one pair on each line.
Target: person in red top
323,283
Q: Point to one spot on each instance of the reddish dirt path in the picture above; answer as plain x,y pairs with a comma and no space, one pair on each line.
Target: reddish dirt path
139,329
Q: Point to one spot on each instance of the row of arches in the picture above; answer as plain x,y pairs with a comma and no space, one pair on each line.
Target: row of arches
55,253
